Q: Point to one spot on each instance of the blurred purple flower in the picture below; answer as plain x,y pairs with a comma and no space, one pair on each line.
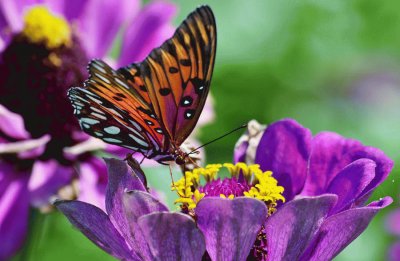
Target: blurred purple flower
136,226
393,227
45,47
327,180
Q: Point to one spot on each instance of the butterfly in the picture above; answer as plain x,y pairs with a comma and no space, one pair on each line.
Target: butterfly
151,107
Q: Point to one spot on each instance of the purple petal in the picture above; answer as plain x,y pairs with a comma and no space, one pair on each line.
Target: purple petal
393,222
284,149
146,32
46,178
172,236
12,11
246,146
121,178
14,206
96,226
332,238
69,9
100,33
351,182
394,252
332,152
136,204
230,226
25,149
293,226
92,182
12,124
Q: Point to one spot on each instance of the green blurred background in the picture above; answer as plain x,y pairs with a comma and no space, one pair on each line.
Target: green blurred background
331,65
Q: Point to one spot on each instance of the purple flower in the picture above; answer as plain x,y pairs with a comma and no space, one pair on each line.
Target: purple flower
393,227
45,47
136,226
327,180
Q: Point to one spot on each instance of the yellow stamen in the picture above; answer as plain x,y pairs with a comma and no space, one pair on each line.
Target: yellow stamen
264,186
41,26
266,189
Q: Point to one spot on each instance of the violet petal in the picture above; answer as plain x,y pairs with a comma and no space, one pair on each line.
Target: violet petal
45,180
136,204
92,182
121,178
12,124
394,252
102,32
230,226
146,32
293,226
331,153
96,226
284,149
393,222
341,229
14,205
351,182
172,236
246,146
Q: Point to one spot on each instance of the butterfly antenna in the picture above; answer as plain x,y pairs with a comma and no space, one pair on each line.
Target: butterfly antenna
173,182
211,141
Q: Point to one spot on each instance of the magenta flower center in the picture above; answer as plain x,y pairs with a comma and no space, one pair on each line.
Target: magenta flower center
226,187
34,79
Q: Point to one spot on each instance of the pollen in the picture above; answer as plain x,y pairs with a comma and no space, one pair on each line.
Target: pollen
246,180
266,189
41,26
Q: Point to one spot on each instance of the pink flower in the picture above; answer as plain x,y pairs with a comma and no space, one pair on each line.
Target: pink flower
45,47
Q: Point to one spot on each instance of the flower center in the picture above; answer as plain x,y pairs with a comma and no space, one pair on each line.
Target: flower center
245,180
41,26
37,68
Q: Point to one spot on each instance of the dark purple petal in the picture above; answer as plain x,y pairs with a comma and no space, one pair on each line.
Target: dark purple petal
172,236
293,226
96,226
340,230
92,182
145,32
351,182
246,146
331,153
136,204
394,252
99,33
14,206
70,9
284,149
121,178
239,154
46,179
393,222
230,226
12,124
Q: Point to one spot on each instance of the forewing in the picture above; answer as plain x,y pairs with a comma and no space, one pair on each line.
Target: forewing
177,75
110,109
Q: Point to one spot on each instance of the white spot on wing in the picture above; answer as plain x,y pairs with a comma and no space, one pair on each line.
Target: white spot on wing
112,140
139,141
98,115
104,79
89,121
112,130
121,83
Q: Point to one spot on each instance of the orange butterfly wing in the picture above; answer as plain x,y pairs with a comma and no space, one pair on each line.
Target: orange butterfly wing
177,75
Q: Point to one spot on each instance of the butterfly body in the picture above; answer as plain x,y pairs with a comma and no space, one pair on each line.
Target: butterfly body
151,107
